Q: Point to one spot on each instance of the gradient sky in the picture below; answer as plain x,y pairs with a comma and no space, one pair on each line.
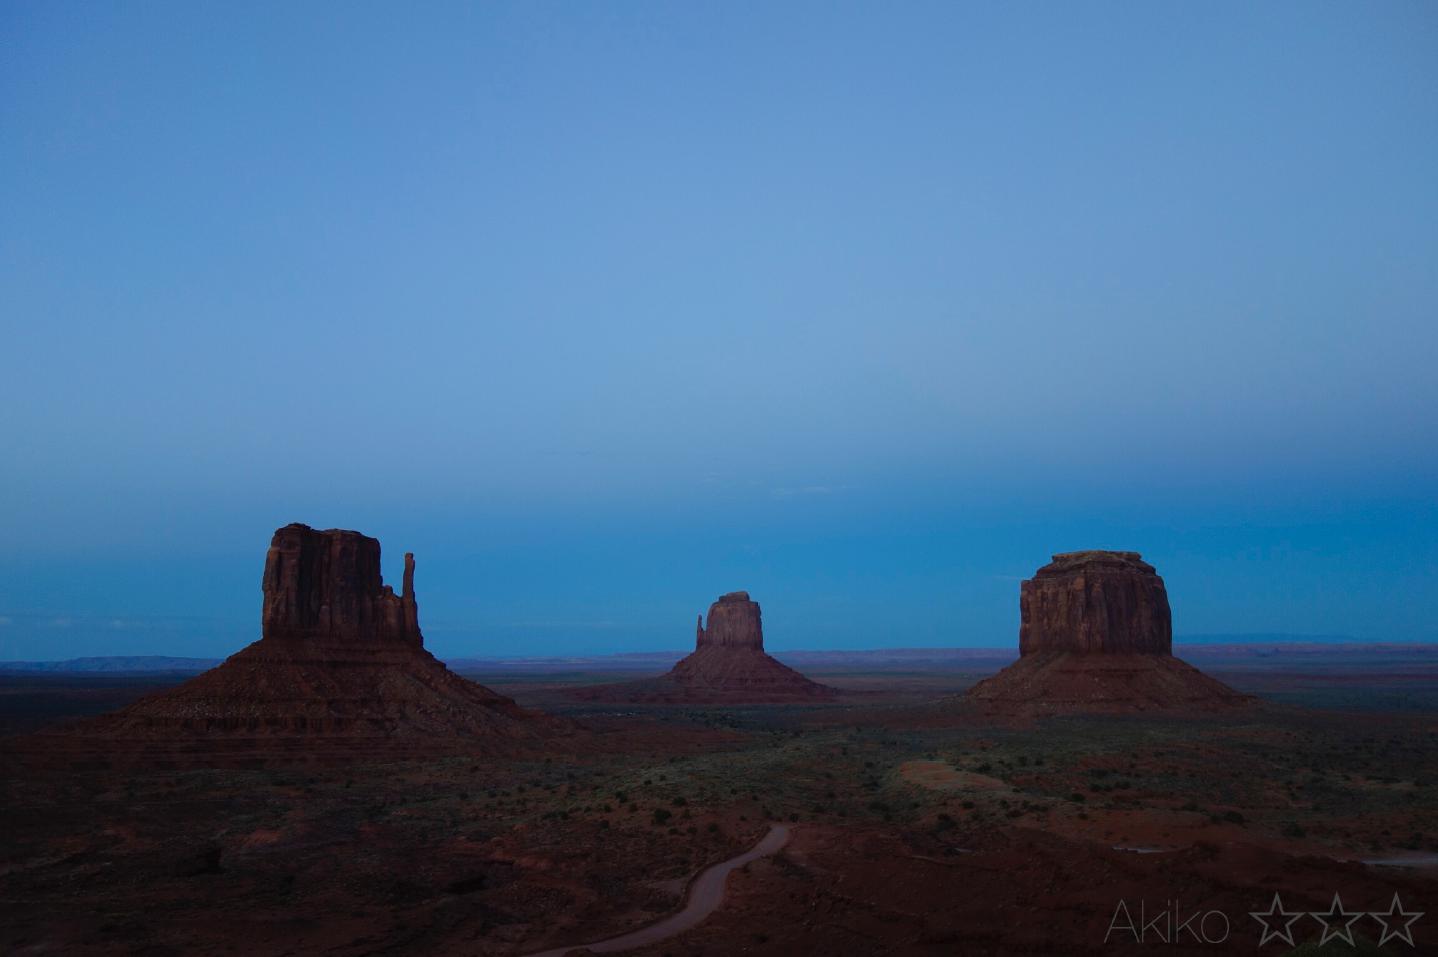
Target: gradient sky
605,309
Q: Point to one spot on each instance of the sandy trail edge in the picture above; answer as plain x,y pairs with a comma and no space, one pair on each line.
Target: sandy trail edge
705,896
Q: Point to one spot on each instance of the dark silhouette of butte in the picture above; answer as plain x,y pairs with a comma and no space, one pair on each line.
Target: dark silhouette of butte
1096,635
728,664
340,657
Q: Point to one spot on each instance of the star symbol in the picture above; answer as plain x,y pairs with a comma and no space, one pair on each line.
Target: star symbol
1337,917
1277,915
1391,919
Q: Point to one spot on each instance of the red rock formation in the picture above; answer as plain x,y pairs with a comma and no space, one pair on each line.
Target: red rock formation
327,585
734,622
1095,601
728,665
1068,682
341,657
1096,635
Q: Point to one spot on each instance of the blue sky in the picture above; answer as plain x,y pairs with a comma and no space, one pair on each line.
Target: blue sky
606,309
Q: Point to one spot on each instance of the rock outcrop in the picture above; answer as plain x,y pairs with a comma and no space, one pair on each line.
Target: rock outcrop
1096,635
327,585
734,622
728,665
341,661
1107,602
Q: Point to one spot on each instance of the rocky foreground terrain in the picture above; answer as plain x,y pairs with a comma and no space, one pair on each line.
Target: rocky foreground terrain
916,829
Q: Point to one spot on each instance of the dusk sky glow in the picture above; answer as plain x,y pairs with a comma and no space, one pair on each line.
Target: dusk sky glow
603,310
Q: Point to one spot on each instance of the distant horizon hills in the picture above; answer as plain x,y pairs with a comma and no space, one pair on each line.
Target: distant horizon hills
1199,644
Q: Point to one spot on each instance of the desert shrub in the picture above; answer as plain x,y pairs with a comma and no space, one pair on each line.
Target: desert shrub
661,815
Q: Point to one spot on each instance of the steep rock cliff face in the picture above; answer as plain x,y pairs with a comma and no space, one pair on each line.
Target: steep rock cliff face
734,622
1095,602
327,585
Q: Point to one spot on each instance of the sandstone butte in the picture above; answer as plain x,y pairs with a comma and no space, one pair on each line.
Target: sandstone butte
1096,635
340,659
728,665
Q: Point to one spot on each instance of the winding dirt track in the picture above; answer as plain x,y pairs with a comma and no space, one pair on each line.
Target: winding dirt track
705,896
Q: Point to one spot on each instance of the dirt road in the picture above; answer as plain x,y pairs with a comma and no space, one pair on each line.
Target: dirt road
705,896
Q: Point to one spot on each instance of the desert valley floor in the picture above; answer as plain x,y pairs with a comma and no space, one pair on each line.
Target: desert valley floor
915,827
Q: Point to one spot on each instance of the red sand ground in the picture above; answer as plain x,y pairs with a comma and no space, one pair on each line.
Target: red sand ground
916,829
